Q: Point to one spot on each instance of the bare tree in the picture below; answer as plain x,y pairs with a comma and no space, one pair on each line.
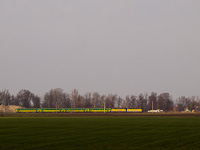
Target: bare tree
13,100
95,98
182,103
36,101
25,98
194,103
142,102
57,96
74,97
110,100
65,103
48,101
165,102
127,102
133,100
102,101
152,98
119,102
87,100
5,97
80,101
54,98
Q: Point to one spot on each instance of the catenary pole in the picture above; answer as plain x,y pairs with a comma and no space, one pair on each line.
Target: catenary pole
104,107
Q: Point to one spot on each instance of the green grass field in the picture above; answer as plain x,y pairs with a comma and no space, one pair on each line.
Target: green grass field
102,132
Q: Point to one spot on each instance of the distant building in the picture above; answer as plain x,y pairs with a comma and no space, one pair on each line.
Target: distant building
155,111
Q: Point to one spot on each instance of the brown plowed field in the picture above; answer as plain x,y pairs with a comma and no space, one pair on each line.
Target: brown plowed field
99,114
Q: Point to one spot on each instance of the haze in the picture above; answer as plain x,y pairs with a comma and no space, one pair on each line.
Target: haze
108,46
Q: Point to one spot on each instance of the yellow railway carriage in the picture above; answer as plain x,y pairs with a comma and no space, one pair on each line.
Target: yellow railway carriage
134,110
118,110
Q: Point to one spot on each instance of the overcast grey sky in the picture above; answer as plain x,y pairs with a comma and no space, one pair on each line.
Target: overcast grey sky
109,46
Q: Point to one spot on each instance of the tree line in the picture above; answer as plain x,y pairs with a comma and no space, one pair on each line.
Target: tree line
57,98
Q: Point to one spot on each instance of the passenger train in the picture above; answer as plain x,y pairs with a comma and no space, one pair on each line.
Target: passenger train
77,110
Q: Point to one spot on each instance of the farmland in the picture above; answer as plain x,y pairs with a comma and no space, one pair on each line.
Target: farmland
26,131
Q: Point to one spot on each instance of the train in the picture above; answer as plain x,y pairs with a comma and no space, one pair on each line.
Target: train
77,110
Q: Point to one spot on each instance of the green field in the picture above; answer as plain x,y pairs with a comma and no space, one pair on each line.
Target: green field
102,132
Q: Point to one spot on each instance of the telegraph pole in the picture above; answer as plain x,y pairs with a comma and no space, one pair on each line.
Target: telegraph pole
5,98
104,108
56,104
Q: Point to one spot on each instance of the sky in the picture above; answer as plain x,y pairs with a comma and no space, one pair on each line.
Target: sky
106,46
